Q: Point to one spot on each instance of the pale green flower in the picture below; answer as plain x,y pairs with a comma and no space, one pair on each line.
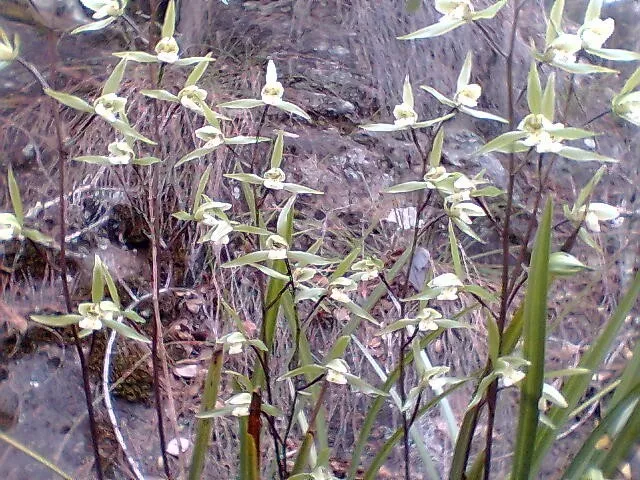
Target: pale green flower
219,233
628,107
110,106
339,288
367,269
120,153
511,376
273,90
192,98
427,318
304,274
105,8
564,48
8,51
448,283
93,314
468,95
537,127
454,9
274,179
435,175
404,115
336,370
240,403
597,212
211,135
167,50
235,341
464,211
595,32
9,226
277,247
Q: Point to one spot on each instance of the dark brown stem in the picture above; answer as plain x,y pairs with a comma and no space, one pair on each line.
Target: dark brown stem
62,157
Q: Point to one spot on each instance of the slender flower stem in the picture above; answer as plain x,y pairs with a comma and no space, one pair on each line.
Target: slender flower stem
62,157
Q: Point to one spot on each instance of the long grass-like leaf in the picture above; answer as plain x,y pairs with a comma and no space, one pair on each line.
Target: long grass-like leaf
36,456
576,386
204,425
535,323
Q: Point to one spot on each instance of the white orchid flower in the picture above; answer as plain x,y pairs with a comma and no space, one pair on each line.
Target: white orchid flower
628,107
120,153
537,127
510,376
273,90
105,8
219,233
454,9
427,318
404,113
340,287
110,106
235,341
435,175
211,135
303,274
598,212
8,51
464,211
368,269
274,179
240,403
167,50
449,283
9,226
93,314
595,32
192,98
336,370
564,48
468,95
277,247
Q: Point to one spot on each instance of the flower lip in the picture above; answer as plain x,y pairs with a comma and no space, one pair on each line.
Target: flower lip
336,370
192,97
564,48
454,9
595,32
404,115
274,179
9,226
167,50
109,106
468,96
120,153
628,107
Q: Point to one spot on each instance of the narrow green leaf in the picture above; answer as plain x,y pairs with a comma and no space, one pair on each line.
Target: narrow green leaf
615,54
37,237
435,155
434,30
112,84
278,148
571,133
455,252
93,159
57,320
160,95
242,104
383,127
407,92
93,26
535,322
362,386
338,348
548,106
575,387
490,11
14,193
583,68
632,82
253,257
128,130
146,161
291,108
534,90
198,71
309,370
125,330
70,100
465,72
361,312
169,25
140,57
244,140
245,177
309,258
493,339
406,187
269,271
482,115
440,97
555,21
284,225
502,141
97,283
197,153
580,155
593,10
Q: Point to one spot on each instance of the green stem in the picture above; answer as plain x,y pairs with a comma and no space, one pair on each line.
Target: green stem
36,456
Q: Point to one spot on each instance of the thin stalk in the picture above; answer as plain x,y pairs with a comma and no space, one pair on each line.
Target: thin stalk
62,156
36,456
204,425
305,448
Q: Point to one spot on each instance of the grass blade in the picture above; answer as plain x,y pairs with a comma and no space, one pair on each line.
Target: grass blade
535,323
